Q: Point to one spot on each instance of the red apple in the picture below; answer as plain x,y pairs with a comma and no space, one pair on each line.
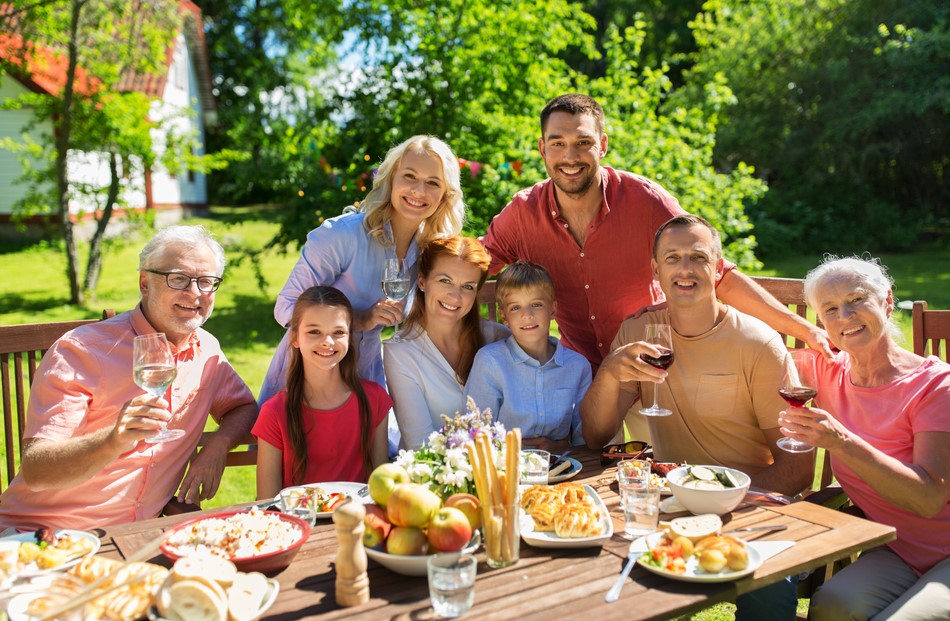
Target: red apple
407,541
449,530
411,504
383,480
467,504
376,527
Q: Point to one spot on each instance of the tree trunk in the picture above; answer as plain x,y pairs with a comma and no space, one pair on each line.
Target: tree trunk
94,266
62,153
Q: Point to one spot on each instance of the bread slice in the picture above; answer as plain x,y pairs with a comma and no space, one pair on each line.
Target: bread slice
190,600
221,570
246,596
695,527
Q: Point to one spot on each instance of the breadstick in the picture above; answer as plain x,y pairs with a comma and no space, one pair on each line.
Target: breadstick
478,474
484,445
512,461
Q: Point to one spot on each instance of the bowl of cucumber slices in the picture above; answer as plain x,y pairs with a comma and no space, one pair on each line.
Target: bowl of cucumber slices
708,489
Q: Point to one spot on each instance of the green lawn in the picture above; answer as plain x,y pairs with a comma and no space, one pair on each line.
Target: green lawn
34,289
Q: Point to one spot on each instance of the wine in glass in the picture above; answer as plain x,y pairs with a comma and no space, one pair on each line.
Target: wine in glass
658,334
797,387
395,286
153,369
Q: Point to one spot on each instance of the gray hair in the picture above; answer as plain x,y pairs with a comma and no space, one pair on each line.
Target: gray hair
867,270
184,235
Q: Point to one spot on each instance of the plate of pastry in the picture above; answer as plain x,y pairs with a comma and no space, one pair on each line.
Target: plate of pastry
566,515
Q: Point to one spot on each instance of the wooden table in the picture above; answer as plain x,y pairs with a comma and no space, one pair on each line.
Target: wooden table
553,584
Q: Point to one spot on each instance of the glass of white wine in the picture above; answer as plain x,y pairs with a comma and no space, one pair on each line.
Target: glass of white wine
395,284
153,368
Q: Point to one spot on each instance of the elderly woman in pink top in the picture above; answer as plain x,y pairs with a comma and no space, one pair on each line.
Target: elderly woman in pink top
884,414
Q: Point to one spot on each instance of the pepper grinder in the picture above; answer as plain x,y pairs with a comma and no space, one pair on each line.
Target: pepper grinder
352,583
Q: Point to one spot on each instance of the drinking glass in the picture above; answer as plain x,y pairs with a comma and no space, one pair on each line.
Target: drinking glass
534,466
658,334
501,529
641,509
452,583
300,502
635,472
797,387
395,286
153,369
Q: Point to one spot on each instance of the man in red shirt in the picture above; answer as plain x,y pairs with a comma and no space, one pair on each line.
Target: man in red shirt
592,227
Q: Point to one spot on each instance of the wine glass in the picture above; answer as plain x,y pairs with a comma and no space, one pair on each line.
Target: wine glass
797,387
153,369
395,286
658,334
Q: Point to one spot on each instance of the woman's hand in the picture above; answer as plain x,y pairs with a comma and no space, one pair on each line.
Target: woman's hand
814,426
384,312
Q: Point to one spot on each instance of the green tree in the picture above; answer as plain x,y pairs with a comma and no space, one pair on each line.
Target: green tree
270,60
843,107
104,41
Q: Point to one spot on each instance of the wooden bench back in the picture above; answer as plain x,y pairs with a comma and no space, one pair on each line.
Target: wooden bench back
21,348
931,330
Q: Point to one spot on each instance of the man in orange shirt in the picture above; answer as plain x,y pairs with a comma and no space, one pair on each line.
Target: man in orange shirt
84,460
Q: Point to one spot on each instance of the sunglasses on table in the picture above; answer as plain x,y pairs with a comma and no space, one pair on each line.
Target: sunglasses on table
633,449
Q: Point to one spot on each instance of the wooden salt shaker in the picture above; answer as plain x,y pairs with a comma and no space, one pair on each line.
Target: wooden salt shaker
352,583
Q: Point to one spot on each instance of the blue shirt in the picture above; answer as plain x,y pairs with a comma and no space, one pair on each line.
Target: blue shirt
543,400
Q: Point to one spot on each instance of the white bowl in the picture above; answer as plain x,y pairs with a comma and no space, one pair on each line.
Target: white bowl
415,565
718,501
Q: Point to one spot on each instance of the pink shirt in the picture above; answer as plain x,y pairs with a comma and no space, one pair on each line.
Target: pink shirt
333,436
610,277
887,417
81,384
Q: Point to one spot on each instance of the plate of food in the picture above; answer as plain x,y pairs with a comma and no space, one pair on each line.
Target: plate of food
329,495
565,515
562,469
659,470
255,540
714,558
47,551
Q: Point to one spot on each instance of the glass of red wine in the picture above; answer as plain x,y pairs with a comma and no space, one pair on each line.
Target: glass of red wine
658,335
798,387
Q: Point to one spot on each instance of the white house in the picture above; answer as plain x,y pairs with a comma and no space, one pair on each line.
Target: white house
185,87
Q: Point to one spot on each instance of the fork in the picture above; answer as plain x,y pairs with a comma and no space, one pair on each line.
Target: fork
614,591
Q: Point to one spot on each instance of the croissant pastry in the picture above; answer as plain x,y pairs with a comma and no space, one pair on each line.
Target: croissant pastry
578,519
572,492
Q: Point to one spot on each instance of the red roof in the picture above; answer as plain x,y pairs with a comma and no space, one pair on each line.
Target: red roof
45,70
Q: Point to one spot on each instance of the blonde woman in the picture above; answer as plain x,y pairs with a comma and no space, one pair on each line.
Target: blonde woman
415,198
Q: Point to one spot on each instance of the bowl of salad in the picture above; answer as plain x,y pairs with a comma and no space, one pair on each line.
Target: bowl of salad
708,489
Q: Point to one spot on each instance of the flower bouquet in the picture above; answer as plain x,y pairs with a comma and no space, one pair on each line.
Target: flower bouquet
442,462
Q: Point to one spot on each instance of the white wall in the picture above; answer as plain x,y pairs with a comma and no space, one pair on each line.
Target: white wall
180,104
12,123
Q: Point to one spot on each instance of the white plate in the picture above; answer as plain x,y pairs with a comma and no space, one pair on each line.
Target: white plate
414,565
32,570
547,539
570,473
695,573
349,488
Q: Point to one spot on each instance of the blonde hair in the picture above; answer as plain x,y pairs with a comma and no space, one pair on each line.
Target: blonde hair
521,275
448,217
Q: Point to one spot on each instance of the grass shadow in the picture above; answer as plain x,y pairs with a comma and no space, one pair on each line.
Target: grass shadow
12,302
248,321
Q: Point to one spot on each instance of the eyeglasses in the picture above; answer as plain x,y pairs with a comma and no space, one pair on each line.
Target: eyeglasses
179,281
633,449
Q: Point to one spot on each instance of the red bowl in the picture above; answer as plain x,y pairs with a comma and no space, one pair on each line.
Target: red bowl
267,563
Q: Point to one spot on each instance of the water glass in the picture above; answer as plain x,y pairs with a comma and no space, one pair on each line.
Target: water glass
452,583
501,532
300,502
634,472
641,509
534,466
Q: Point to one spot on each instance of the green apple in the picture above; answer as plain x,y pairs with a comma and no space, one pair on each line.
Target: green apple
383,480
411,504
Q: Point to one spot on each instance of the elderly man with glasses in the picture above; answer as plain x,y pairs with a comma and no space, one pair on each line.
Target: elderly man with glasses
85,460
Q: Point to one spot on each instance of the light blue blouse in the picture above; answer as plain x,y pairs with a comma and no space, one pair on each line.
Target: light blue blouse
339,253
543,400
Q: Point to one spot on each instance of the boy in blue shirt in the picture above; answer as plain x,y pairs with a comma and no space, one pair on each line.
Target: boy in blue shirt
529,380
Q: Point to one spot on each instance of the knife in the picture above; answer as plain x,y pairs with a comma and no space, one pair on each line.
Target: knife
749,529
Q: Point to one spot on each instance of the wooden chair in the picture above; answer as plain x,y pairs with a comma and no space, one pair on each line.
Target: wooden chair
931,330
791,293
486,298
21,348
